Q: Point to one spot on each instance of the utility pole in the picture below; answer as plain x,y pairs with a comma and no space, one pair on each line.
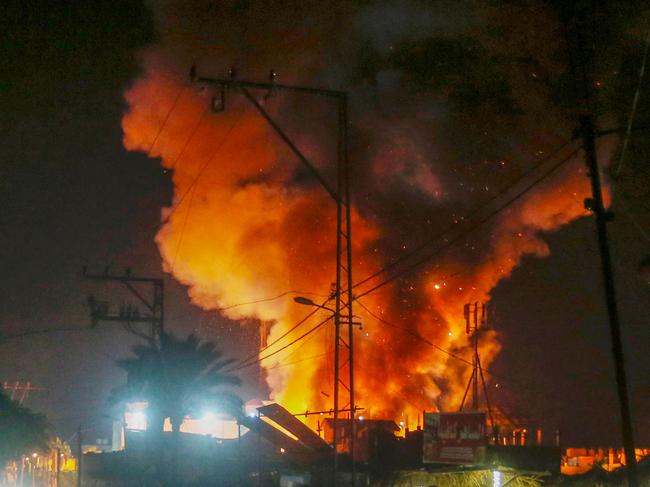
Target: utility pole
602,217
58,467
343,315
80,456
264,334
470,312
129,314
472,324
578,61
475,361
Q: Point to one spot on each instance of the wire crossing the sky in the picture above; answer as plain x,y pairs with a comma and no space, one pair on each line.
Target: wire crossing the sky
255,358
473,213
479,223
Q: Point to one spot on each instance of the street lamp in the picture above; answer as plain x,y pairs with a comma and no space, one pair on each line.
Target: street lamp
304,300
309,302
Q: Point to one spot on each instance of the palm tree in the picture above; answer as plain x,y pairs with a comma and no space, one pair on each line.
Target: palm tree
21,430
177,379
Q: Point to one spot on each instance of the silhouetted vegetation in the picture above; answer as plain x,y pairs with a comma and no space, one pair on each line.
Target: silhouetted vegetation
177,379
21,430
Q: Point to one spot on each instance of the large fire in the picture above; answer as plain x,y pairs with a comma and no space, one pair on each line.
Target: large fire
241,229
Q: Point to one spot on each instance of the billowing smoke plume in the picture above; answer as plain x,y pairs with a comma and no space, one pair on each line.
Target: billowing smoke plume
442,118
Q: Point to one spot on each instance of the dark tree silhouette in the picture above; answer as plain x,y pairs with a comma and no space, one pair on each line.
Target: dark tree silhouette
178,378
21,430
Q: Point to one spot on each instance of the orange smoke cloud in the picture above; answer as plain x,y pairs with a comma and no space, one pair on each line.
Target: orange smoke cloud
240,229
240,232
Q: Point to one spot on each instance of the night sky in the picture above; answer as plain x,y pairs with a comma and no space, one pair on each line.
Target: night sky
72,195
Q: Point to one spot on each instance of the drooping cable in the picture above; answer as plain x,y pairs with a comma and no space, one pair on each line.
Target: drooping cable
470,215
635,102
296,340
478,224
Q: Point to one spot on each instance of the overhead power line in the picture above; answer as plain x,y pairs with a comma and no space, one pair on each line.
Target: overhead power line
191,135
254,358
415,335
264,300
281,337
167,117
249,362
306,359
478,223
472,213
180,237
635,102
626,140
202,169
296,340
16,336
299,347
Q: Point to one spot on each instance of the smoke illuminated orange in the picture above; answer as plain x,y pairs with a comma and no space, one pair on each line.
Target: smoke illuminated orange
241,230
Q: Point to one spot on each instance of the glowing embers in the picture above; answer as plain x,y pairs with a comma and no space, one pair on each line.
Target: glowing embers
242,230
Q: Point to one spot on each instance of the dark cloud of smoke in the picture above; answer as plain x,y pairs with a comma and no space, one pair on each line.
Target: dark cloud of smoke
449,101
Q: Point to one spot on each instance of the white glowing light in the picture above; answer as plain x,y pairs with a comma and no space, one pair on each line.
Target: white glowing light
449,333
496,478
209,416
137,420
436,286
282,450
361,418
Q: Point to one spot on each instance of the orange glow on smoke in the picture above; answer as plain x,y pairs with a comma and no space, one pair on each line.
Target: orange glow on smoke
243,233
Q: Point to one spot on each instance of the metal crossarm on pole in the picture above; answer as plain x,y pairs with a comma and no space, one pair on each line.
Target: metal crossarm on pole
156,306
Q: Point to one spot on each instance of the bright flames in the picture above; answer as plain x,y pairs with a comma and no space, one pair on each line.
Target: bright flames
244,230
